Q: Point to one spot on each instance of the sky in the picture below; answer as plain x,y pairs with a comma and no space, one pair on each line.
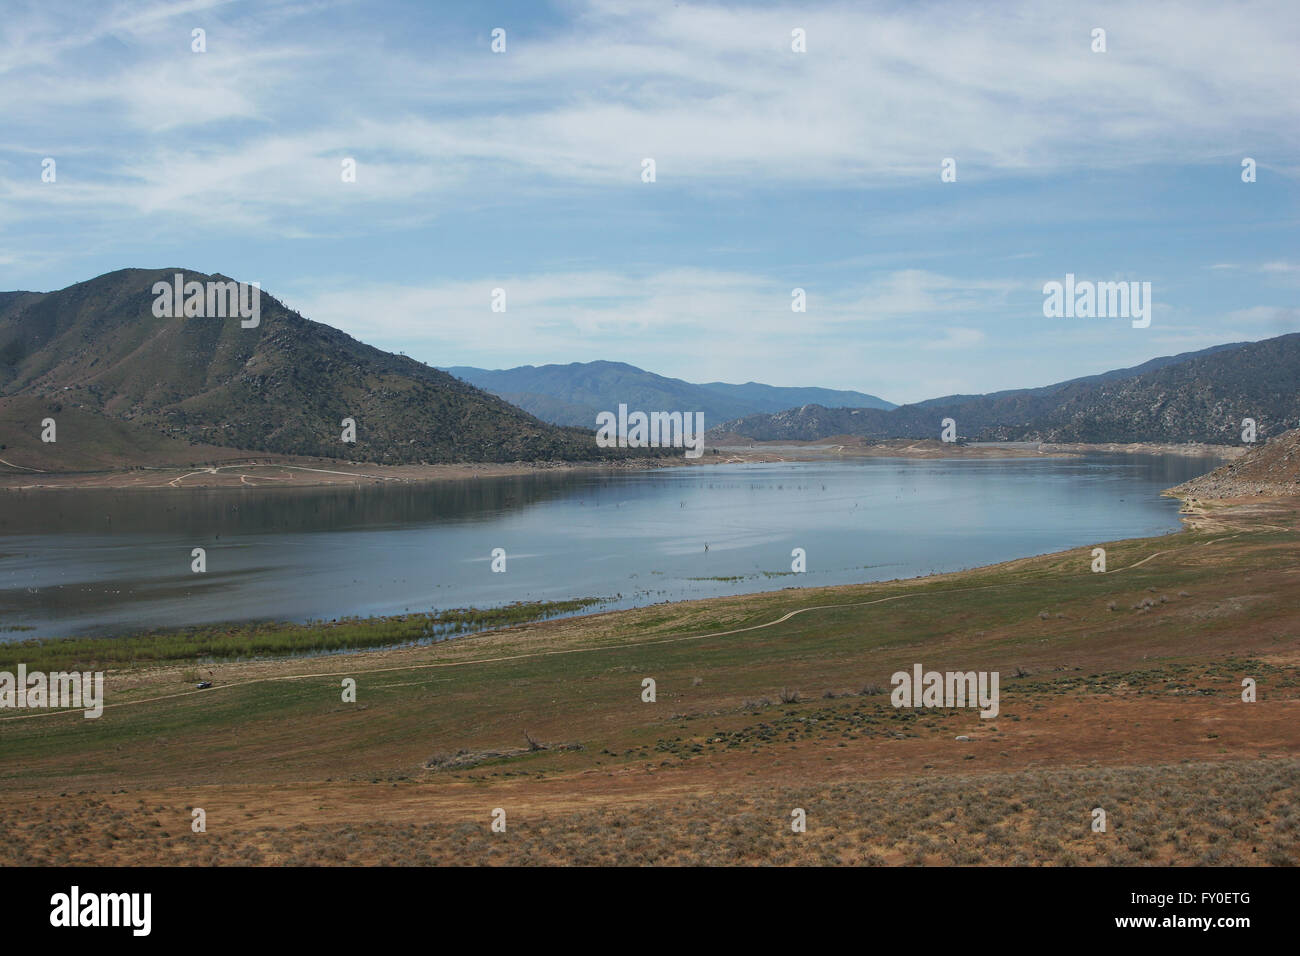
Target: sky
774,169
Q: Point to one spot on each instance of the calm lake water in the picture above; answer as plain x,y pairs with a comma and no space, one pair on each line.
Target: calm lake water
114,562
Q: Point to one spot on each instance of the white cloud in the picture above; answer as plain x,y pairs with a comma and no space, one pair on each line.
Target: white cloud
712,92
1283,317
956,338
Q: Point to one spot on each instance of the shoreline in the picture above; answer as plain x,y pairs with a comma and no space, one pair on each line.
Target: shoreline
764,703
1195,515
286,472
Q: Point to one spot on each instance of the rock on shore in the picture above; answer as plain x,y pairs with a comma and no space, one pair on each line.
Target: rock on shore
1271,469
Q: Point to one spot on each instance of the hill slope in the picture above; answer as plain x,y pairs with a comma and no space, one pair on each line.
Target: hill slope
573,394
1194,397
774,398
283,386
1271,469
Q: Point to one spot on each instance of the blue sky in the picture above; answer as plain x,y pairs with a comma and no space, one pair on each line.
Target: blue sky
774,170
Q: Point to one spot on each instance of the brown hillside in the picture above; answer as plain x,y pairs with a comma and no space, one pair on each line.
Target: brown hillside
1270,469
283,386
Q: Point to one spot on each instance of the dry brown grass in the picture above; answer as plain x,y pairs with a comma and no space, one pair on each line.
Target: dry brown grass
1138,712
1241,813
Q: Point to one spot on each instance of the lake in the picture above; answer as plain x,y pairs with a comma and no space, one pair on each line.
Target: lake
108,562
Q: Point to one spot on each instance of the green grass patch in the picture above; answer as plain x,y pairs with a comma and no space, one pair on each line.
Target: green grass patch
244,641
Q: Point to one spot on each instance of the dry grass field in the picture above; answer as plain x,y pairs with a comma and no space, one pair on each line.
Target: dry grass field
1119,690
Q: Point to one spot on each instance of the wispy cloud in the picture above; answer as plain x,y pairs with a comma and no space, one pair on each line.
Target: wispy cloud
246,132
775,170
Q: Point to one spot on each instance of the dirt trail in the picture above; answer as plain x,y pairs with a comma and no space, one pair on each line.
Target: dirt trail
23,467
353,671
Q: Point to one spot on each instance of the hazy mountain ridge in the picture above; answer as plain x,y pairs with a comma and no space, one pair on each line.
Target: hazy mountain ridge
286,385
283,386
573,394
1133,371
1193,397
779,396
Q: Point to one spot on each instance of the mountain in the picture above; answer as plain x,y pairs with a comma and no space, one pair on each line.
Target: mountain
284,386
1047,390
1193,397
774,398
573,394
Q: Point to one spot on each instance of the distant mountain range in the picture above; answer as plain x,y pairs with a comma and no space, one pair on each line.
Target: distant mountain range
573,394
129,388
124,386
1193,397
